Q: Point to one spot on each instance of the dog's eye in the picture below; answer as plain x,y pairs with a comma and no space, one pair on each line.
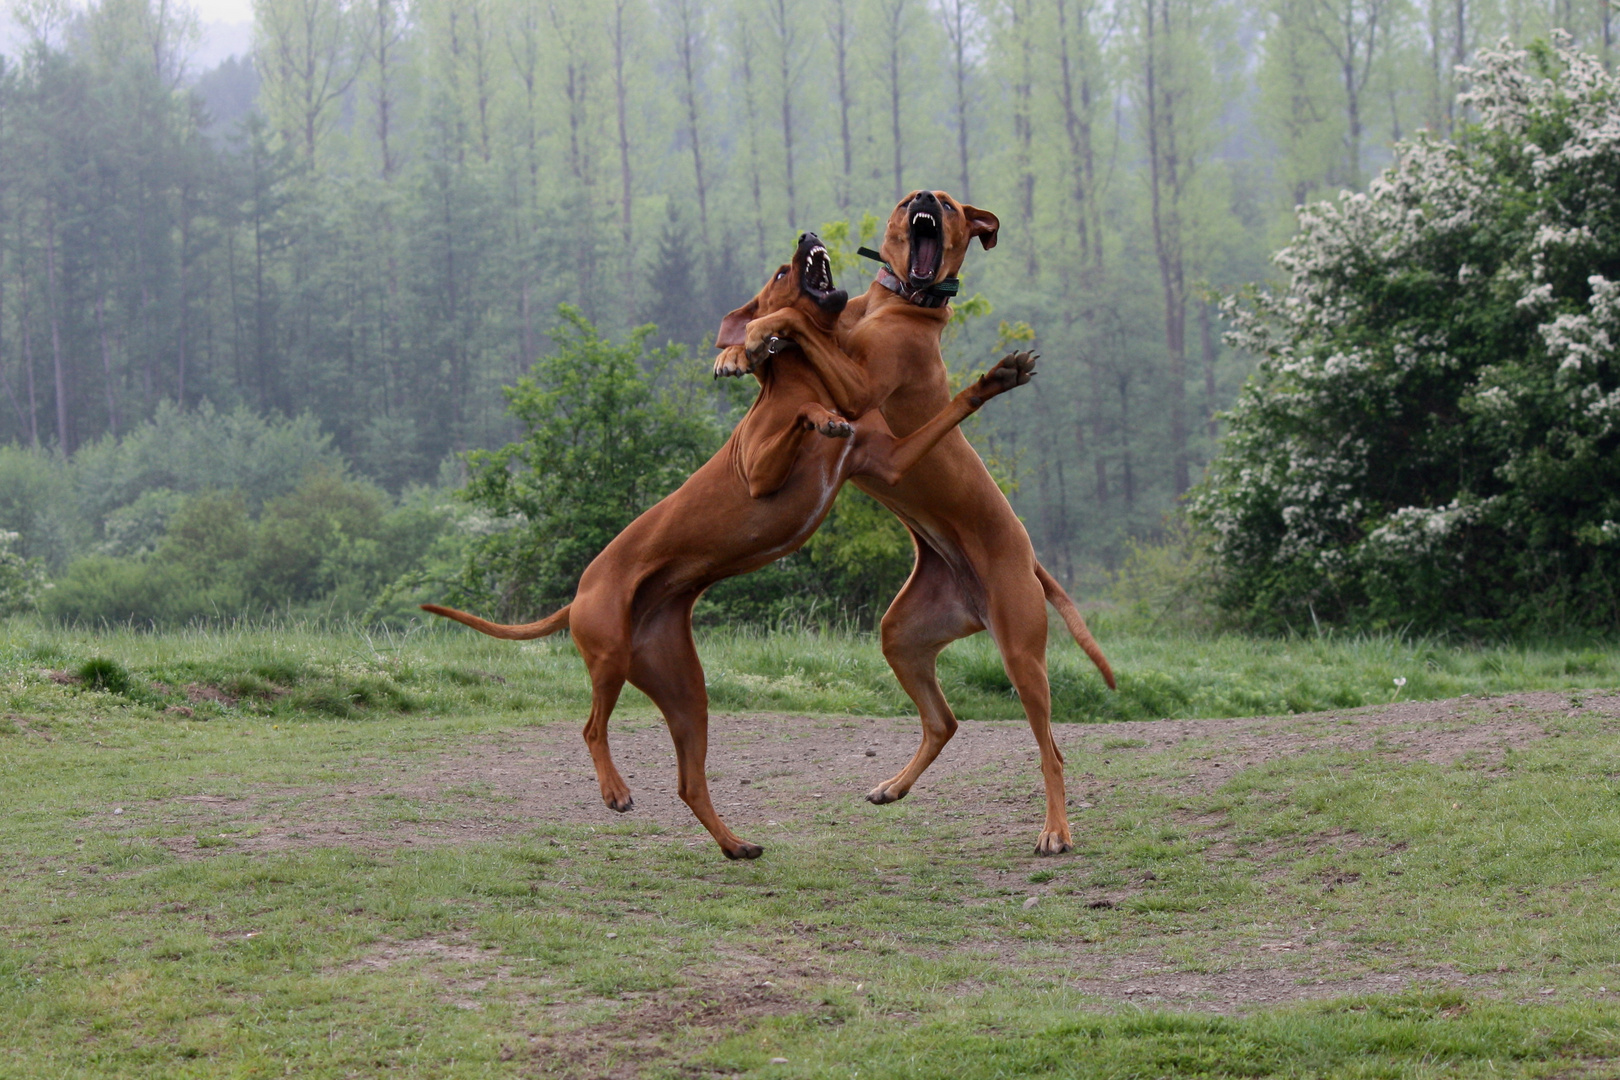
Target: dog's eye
780,274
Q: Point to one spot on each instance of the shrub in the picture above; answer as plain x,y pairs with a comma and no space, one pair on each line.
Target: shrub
326,547
36,503
1431,435
603,442
100,673
21,580
201,450
103,589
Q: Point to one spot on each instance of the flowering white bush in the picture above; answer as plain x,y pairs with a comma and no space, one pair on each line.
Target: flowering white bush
1430,437
21,580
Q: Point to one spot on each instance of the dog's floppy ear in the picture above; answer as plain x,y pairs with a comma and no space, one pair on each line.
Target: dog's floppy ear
732,327
983,224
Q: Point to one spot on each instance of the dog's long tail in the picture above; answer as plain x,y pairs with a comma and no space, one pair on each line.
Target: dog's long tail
552,623
1075,622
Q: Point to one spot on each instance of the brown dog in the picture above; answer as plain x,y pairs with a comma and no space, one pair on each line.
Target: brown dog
975,567
760,497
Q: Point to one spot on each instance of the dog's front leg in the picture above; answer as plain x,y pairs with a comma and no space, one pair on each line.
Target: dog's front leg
846,381
887,458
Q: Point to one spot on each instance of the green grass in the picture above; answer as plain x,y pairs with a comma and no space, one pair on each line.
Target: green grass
306,671
151,942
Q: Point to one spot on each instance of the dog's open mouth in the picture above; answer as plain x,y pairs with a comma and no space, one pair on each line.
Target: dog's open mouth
927,245
818,271
815,275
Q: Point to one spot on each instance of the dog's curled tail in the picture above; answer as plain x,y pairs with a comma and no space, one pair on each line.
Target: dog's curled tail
1075,622
552,623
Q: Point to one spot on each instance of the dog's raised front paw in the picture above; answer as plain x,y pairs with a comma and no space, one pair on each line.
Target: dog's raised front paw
1014,369
732,362
836,427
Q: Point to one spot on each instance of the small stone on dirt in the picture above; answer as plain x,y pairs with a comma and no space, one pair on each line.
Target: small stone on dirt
778,1061
1031,902
612,936
120,810
871,753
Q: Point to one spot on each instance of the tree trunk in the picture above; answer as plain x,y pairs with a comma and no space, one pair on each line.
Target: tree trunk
384,97
1164,183
1099,462
480,44
1126,465
106,363
620,100
64,435
28,365
686,46
1206,336
1077,124
956,31
1024,126
839,29
750,103
785,45
184,298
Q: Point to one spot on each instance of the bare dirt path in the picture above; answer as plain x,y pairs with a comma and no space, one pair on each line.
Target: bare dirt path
769,767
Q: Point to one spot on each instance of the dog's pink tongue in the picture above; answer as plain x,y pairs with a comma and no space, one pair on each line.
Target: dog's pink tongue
924,256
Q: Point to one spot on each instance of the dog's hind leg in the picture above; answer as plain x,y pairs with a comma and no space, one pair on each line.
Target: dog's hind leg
928,614
605,688
603,643
1018,624
666,668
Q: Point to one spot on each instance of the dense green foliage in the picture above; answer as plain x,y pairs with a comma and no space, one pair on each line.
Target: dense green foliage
21,579
1431,438
602,443
370,239
374,236
207,515
329,546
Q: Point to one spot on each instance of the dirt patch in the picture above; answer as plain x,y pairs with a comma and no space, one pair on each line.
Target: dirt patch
766,771
201,692
644,1033
22,725
387,953
1142,982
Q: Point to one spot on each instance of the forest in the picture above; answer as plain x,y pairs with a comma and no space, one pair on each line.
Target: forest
360,234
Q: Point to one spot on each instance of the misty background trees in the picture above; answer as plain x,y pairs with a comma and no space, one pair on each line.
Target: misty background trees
371,220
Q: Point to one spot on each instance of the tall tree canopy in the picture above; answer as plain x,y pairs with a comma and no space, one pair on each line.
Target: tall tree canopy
370,219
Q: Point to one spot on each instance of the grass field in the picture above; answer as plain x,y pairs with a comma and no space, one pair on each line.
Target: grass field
273,852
